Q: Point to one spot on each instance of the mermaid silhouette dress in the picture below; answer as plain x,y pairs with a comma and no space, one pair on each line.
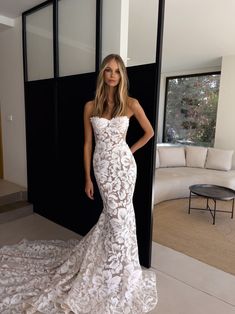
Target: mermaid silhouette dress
101,273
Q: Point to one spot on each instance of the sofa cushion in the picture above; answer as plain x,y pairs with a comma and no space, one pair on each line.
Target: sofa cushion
219,159
172,183
195,156
171,156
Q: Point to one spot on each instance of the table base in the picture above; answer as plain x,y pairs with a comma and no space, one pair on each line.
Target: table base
211,210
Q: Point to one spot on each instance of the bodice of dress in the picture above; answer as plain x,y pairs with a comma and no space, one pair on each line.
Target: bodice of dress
113,162
110,133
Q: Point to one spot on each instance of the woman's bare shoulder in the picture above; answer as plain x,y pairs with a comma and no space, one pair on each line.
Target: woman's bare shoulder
89,106
133,103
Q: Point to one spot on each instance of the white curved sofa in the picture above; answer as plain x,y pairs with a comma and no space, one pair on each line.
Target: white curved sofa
179,167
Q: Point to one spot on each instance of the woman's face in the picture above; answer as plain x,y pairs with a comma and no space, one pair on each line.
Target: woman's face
112,74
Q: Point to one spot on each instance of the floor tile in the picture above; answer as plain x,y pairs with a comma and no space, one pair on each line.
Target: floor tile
194,273
33,227
175,297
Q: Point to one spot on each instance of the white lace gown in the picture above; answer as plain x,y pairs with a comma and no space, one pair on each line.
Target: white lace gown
101,273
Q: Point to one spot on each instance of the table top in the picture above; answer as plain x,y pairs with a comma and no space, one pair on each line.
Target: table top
216,192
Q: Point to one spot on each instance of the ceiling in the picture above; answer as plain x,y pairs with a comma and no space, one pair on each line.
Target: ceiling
14,8
197,33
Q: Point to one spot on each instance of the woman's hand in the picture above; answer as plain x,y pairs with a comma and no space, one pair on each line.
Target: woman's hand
139,114
89,189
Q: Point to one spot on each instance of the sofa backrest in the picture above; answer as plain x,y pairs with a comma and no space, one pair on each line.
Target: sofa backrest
194,156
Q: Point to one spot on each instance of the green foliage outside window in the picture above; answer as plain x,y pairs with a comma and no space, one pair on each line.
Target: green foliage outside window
191,108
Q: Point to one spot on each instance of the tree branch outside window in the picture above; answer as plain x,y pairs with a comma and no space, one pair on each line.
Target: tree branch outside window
191,108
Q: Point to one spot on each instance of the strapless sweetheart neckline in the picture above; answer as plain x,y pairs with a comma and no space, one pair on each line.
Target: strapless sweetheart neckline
97,117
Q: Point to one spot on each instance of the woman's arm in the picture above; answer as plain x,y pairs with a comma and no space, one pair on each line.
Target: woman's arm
89,189
139,113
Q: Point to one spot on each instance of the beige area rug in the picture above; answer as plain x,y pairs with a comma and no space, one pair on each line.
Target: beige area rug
194,234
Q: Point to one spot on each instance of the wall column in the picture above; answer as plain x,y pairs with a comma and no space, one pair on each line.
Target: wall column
225,127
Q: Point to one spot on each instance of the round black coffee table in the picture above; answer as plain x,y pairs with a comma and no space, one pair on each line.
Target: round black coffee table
213,192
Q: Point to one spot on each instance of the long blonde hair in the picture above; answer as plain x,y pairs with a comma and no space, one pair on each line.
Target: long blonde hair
120,93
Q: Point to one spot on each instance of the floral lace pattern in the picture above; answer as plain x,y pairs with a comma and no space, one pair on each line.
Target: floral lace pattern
101,273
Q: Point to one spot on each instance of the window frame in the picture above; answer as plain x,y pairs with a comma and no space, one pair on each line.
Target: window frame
55,32
168,78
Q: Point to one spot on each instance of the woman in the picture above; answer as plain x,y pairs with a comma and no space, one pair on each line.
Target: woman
101,273
112,101
115,171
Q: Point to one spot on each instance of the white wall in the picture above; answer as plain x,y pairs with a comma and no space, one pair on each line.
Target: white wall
6,22
225,124
12,104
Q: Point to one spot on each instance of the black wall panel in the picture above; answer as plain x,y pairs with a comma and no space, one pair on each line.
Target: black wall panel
80,212
40,137
54,129
142,80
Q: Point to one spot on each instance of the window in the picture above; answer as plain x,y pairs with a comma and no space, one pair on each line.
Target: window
77,36
39,32
191,108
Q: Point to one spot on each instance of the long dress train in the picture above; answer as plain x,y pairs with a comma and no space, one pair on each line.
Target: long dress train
101,273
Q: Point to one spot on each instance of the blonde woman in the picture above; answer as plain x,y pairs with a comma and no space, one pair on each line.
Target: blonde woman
101,273
112,101
114,258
